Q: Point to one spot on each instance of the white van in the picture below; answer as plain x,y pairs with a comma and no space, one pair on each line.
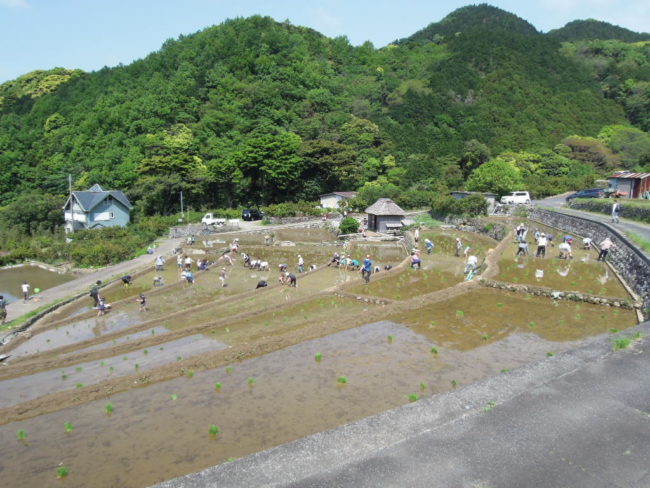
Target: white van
516,197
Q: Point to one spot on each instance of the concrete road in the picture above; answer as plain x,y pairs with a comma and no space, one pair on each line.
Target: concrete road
626,226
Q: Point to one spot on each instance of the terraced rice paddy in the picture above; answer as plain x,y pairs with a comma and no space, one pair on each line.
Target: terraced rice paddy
269,365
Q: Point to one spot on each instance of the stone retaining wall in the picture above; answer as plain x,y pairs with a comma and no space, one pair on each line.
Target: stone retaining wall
573,296
491,229
632,264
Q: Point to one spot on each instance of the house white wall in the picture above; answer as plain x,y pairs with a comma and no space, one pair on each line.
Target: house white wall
330,201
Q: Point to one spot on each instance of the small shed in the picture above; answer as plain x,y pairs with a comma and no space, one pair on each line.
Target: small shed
331,200
630,185
384,215
96,208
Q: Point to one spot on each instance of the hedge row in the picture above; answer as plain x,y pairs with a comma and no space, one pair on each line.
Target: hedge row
629,209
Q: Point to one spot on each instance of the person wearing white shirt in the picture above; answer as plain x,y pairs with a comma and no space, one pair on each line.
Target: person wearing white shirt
472,261
25,288
541,246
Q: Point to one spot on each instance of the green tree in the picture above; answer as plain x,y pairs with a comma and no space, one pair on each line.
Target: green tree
329,165
32,212
272,164
474,155
592,151
371,191
632,145
496,176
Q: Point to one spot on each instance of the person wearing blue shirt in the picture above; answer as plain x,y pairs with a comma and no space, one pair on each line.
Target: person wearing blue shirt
367,269
429,245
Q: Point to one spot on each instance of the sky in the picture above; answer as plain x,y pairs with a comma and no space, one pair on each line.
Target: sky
91,34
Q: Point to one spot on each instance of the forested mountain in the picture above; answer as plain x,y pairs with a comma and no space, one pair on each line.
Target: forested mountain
590,29
472,18
257,111
623,71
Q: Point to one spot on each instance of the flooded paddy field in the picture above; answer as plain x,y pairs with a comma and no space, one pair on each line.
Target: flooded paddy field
74,332
26,387
444,241
408,283
583,273
264,366
12,278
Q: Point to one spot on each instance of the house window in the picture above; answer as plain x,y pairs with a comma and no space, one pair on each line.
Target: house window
103,216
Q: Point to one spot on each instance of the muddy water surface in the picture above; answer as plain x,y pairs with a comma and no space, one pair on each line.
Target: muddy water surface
151,436
158,431
487,315
444,241
288,394
75,332
25,388
582,273
407,284
11,280
287,319
381,253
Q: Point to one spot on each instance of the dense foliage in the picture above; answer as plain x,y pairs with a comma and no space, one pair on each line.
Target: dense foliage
470,206
254,112
623,71
86,248
590,29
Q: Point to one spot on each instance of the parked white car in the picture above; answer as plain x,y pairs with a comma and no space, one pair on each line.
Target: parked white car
516,197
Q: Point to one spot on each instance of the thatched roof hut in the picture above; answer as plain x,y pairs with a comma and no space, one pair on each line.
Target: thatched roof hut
384,215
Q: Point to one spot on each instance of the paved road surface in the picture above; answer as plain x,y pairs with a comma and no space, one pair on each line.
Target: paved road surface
626,226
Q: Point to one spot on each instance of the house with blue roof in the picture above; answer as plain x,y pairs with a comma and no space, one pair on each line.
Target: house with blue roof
96,208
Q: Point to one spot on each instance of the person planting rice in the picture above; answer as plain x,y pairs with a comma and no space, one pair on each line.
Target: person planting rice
291,278
142,300
101,307
94,293
222,277
367,269
3,310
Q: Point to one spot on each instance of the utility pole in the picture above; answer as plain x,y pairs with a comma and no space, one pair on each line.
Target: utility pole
182,214
71,202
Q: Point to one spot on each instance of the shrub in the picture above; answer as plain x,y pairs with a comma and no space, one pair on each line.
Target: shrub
630,209
348,225
414,198
292,209
471,205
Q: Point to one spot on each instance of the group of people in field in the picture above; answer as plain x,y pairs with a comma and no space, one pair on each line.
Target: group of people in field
544,240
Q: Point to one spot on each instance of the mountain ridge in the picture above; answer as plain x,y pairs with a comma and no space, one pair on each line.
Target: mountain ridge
254,109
